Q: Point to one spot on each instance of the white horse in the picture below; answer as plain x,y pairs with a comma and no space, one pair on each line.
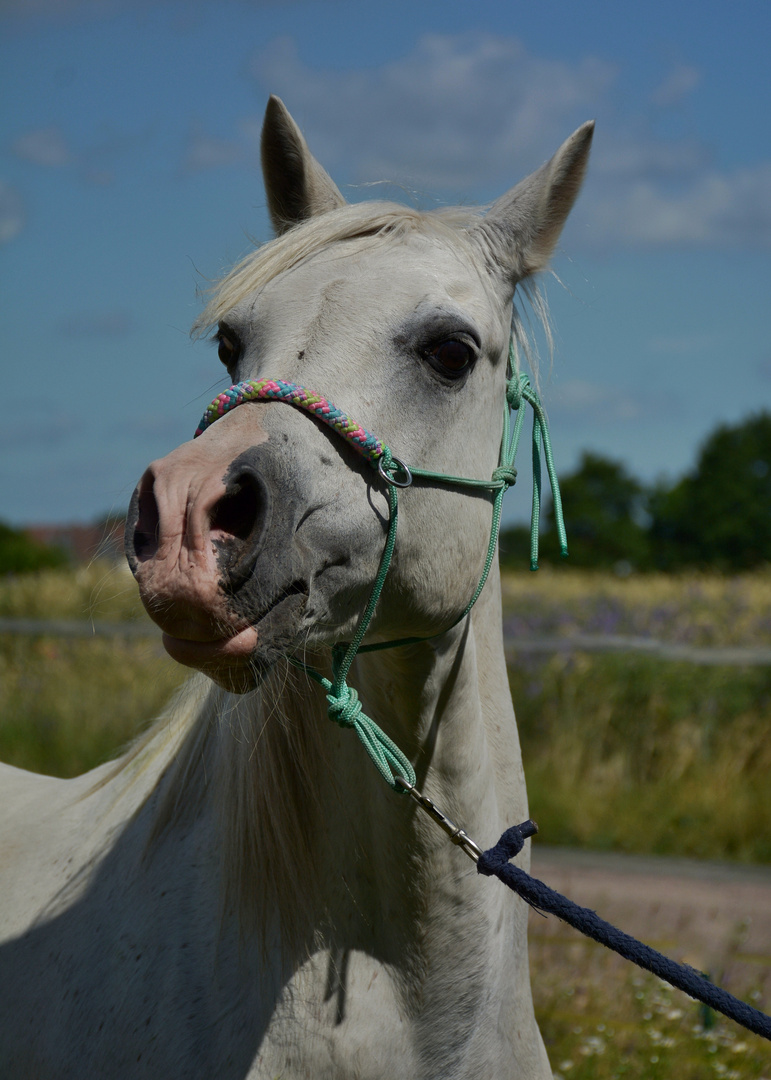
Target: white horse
241,895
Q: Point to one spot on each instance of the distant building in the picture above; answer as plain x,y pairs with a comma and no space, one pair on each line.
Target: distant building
82,543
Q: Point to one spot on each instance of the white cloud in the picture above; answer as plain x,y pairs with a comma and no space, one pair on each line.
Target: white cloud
594,402
44,146
582,403
712,209
462,117
681,344
12,216
205,151
455,112
471,113
49,148
681,81
624,158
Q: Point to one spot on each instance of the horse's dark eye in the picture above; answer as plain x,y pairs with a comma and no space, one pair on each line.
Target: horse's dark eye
452,357
228,347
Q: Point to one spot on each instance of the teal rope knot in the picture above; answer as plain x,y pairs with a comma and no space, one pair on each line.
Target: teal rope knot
507,474
345,707
346,711
386,461
514,390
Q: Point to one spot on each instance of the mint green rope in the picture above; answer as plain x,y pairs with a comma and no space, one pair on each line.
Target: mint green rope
517,391
344,707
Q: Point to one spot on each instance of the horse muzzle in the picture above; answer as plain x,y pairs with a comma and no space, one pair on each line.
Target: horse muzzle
210,541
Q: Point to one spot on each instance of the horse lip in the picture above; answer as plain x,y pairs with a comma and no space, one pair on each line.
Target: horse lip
286,597
207,653
200,654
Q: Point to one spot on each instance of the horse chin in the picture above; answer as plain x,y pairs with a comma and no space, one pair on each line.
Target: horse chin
239,663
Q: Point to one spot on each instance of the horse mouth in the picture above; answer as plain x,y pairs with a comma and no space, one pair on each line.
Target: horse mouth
240,661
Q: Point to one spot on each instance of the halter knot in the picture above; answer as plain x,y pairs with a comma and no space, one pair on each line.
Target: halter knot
514,390
507,474
345,707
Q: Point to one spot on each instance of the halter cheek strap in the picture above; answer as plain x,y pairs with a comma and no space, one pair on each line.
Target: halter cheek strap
344,707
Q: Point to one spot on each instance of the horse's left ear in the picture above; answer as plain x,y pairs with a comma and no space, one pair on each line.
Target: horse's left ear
296,185
521,229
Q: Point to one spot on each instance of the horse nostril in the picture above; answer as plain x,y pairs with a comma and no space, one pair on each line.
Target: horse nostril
238,523
237,512
142,524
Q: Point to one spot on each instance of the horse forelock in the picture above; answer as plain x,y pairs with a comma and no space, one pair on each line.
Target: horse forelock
380,222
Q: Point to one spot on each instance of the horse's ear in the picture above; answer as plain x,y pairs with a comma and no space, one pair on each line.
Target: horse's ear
521,229
296,185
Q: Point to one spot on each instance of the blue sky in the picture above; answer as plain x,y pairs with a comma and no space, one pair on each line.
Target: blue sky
129,177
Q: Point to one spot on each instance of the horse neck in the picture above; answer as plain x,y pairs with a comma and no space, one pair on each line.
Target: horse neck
446,702
309,812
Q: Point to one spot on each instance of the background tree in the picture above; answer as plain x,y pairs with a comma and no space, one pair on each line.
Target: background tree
20,554
605,517
719,515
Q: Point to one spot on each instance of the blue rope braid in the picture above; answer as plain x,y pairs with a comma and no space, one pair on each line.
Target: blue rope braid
495,862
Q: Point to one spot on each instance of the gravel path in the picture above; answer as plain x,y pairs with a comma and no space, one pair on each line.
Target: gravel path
714,916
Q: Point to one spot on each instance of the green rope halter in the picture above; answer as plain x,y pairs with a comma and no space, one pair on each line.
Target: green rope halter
344,707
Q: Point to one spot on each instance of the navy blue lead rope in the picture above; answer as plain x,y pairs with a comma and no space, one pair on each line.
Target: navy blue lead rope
543,899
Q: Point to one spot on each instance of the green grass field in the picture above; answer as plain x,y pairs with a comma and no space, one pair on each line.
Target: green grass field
603,1019
622,752
628,753
631,753
68,704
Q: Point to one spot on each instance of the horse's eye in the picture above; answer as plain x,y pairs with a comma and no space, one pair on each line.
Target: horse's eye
452,357
228,347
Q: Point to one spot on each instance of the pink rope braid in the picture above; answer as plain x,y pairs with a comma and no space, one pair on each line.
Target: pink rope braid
275,390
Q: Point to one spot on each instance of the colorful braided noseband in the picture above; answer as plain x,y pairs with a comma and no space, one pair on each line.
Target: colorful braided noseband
277,390
344,707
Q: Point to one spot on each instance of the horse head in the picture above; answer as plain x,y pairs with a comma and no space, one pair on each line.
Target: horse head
264,535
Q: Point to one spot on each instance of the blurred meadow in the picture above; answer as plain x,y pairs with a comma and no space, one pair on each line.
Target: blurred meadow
630,752
603,1019
69,703
623,751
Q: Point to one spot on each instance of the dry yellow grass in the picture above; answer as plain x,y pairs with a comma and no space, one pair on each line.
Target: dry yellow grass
101,590
702,609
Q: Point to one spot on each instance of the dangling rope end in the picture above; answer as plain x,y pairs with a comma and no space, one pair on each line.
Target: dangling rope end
528,828
533,565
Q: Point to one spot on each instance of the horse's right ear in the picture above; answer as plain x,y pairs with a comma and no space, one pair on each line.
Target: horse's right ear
296,185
